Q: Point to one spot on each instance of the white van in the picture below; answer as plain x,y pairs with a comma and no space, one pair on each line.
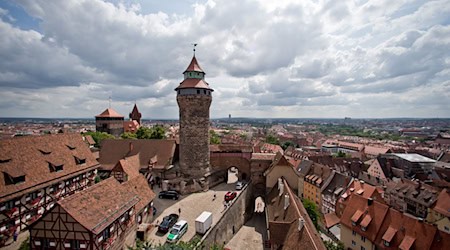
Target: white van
177,231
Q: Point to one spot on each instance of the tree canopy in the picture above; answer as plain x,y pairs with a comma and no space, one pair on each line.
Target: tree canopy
312,210
213,137
155,132
99,137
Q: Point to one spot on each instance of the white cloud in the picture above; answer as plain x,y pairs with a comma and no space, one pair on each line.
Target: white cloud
264,58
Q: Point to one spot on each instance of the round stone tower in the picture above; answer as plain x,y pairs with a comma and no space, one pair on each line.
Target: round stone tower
194,99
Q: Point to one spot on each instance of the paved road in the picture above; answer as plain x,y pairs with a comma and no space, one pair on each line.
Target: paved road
251,235
191,207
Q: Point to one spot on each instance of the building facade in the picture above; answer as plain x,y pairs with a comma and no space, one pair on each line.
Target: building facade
109,121
37,171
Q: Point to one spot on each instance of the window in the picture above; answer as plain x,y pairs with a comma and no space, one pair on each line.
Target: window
363,248
364,228
386,243
79,161
446,228
353,233
198,91
353,243
363,238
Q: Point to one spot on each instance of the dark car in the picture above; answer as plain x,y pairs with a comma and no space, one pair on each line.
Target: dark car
167,223
168,195
229,196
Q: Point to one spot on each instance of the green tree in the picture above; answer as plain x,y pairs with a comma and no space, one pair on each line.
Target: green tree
341,154
180,245
128,135
156,132
272,139
25,245
213,137
333,246
287,144
99,137
313,211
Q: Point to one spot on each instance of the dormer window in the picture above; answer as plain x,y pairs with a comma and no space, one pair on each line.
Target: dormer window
363,228
55,168
71,147
5,160
45,152
386,243
10,180
79,161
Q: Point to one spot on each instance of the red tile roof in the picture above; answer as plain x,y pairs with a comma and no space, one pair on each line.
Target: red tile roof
331,219
194,66
130,165
284,224
30,156
98,206
139,186
193,83
442,204
110,113
113,150
358,207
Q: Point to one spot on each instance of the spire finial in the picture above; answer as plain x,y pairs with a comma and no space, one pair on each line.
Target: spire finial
110,100
194,44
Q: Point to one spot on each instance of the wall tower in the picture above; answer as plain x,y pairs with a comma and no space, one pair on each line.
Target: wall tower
194,99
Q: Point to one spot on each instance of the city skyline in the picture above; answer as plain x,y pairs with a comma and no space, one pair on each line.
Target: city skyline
264,59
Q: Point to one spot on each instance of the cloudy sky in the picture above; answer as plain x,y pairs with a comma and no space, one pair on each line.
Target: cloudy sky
299,59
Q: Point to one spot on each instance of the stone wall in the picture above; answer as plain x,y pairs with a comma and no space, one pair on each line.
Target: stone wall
194,135
223,163
235,216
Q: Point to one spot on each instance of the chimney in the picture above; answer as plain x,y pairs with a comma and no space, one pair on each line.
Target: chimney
369,201
301,223
286,201
280,187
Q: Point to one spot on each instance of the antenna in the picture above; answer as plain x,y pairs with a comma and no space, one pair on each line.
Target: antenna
194,44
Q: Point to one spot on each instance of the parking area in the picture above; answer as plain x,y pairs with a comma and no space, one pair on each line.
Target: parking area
191,207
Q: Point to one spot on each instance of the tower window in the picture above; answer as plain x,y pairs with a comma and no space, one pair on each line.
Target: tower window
204,92
198,91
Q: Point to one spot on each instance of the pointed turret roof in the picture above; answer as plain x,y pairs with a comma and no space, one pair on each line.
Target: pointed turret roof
109,113
194,66
135,114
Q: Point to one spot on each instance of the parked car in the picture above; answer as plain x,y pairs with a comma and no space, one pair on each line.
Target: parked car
167,223
168,195
177,231
229,196
239,185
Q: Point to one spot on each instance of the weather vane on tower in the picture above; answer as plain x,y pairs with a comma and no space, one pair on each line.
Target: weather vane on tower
195,44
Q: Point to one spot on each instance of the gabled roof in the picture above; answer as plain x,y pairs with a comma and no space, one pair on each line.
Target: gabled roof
129,165
113,150
139,186
194,66
109,112
442,204
360,212
284,223
98,206
403,231
31,155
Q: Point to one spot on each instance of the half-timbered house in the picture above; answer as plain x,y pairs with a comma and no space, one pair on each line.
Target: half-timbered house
100,217
37,171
